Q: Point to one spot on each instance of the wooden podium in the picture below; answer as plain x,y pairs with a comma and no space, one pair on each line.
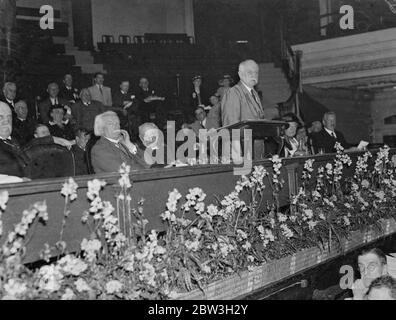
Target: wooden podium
266,135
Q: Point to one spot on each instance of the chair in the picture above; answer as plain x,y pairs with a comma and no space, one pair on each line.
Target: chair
124,39
50,161
107,39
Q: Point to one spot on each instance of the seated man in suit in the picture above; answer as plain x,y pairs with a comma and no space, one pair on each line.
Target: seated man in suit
13,162
68,91
79,151
114,146
152,148
85,111
126,107
9,95
52,100
325,140
23,126
214,114
150,105
200,122
42,135
99,92
58,125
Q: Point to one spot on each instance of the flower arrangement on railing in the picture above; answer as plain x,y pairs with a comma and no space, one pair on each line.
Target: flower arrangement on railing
203,243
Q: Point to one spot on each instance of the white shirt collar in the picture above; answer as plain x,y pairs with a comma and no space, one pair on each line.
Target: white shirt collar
330,132
9,138
112,140
249,89
204,122
64,122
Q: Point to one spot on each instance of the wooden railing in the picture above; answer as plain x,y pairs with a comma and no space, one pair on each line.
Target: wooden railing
152,185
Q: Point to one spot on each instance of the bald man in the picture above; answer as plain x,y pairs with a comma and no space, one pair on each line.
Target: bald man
242,102
12,160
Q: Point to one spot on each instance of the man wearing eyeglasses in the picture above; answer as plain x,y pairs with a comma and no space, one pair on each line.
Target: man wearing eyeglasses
372,265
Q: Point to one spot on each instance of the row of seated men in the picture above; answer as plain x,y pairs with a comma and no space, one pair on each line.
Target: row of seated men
103,152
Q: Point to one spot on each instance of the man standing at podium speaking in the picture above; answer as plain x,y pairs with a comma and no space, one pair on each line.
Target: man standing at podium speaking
242,102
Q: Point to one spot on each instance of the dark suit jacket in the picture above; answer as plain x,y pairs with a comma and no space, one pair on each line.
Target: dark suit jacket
152,155
45,106
67,94
23,131
13,161
107,157
80,160
194,101
84,116
324,140
238,105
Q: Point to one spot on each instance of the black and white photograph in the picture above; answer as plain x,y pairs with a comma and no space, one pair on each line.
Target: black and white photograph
198,155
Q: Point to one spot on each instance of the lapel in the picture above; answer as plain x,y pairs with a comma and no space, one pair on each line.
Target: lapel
248,96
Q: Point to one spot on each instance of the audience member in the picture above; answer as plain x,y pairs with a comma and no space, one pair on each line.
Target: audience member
225,83
126,107
198,98
290,140
114,146
52,100
214,115
23,126
315,127
372,265
13,162
42,135
82,136
150,106
200,122
152,148
382,288
58,125
9,95
85,111
99,92
68,91
326,139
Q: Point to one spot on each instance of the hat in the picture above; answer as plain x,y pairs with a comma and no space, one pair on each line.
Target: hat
196,77
226,77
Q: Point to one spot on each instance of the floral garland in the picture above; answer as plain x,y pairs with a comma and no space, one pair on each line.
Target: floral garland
202,243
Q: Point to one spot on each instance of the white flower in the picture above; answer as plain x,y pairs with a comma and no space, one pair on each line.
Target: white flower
113,286
212,210
82,286
312,224
69,189
72,265
308,213
50,278
91,247
94,188
14,288
68,295
196,233
242,234
286,231
192,245
282,217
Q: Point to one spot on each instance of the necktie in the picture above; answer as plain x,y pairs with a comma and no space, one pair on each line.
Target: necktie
123,148
101,90
333,135
254,96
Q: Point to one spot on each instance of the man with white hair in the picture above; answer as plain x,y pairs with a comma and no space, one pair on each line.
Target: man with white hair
114,146
242,102
9,95
12,160
152,147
